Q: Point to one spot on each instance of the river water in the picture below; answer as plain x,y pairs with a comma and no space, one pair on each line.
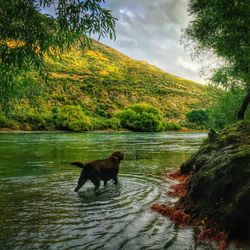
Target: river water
39,209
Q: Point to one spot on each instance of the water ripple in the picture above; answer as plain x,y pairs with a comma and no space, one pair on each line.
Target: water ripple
115,218
40,210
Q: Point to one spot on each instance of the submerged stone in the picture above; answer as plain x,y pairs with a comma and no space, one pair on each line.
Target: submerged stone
219,187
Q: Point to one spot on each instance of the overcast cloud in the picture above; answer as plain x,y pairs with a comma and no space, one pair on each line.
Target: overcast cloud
150,30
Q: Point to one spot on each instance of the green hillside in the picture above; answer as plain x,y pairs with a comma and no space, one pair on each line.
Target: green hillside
99,82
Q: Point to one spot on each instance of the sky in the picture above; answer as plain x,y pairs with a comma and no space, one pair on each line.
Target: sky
150,30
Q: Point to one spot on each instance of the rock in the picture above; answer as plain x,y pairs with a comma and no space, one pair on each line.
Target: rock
219,186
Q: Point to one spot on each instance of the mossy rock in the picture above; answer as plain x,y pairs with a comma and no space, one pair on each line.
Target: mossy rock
219,187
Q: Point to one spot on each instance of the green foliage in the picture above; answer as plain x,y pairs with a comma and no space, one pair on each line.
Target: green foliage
223,28
141,117
28,36
198,116
193,126
34,121
6,122
101,110
71,118
26,33
100,123
66,118
11,86
98,82
224,110
168,126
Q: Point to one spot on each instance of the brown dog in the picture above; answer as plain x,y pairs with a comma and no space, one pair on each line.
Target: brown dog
95,171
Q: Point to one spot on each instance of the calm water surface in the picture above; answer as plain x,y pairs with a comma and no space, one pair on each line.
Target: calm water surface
39,210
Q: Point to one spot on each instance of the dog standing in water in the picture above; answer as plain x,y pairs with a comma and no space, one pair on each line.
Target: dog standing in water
97,170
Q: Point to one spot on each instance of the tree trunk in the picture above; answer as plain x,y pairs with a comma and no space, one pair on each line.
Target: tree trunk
244,106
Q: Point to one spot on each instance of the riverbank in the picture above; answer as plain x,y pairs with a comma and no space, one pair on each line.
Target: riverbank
220,183
217,191
9,130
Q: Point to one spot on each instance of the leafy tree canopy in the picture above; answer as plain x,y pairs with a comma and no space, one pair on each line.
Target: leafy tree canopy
27,34
198,116
141,117
222,26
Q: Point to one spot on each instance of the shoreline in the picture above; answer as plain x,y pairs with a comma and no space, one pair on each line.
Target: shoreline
18,131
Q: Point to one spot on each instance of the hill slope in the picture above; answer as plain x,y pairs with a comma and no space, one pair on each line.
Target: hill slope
103,80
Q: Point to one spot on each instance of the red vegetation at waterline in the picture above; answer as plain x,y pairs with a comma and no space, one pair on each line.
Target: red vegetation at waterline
178,189
176,175
179,217
176,213
211,234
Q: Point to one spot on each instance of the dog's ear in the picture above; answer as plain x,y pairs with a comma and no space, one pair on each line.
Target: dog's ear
78,164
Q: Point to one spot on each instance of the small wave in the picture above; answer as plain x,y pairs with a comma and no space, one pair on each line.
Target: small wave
116,218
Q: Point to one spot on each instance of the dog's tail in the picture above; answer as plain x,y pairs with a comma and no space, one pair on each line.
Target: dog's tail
78,164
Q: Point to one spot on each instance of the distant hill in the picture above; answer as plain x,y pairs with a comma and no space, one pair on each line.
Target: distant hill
107,77
102,80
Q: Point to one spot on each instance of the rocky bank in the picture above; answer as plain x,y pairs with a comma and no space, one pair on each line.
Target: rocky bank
219,185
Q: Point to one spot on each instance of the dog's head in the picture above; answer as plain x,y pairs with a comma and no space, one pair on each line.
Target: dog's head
118,155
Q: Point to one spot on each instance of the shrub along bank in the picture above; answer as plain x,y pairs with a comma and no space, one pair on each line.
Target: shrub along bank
138,117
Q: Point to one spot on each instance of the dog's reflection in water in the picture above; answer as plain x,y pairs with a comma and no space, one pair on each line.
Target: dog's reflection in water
100,170
107,193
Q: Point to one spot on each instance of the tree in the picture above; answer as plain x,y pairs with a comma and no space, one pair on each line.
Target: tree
27,34
223,111
141,117
198,116
222,26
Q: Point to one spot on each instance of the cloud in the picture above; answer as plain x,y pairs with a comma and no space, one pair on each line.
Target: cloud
150,31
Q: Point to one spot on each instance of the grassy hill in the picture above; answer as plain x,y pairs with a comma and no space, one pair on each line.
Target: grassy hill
102,81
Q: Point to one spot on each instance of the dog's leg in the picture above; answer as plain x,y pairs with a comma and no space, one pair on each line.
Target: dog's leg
96,181
82,180
115,180
105,183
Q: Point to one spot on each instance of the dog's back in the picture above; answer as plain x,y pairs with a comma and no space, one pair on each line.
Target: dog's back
105,168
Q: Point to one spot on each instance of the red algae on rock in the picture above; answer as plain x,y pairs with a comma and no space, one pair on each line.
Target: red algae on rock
173,211
179,189
205,232
211,234
177,175
179,217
